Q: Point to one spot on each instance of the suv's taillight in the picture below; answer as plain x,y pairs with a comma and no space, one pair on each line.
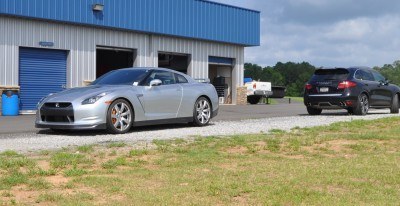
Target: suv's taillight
346,84
308,86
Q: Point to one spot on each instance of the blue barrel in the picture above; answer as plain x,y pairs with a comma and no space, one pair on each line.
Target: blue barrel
10,103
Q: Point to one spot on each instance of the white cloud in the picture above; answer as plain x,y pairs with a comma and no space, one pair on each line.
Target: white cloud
326,33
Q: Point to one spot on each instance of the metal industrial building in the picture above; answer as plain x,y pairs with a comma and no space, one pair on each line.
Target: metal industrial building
49,45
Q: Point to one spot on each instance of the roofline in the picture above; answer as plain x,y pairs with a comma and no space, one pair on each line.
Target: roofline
237,7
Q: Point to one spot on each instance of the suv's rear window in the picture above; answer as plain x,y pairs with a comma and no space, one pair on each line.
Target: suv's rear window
330,74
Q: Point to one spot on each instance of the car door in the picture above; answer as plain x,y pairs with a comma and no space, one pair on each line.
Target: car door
162,102
369,84
383,92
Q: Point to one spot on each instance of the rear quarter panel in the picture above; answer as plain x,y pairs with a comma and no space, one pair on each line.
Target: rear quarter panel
191,92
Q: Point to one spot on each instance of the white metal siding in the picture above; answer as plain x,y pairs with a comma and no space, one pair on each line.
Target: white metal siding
81,41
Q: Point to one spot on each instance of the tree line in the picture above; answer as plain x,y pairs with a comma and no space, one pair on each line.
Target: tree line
293,76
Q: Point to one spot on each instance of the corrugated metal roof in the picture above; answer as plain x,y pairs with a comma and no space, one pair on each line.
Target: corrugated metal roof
198,19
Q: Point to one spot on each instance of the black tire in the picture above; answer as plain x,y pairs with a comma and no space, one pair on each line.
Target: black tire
350,111
120,117
202,112
362,105
394,108
313,111
253,99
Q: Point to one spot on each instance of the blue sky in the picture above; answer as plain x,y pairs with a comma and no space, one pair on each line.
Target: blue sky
330,33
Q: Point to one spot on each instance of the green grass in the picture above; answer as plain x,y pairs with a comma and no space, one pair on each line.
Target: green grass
296,99
74,172
64,159
352,163
85,148
116,144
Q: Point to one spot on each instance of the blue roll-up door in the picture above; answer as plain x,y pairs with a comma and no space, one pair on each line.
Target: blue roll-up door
220,60
41,72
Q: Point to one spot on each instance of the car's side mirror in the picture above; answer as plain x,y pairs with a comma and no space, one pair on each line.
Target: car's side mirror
155,82
385,82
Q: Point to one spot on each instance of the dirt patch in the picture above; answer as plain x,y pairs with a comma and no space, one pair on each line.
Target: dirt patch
43,164
237,150
57,180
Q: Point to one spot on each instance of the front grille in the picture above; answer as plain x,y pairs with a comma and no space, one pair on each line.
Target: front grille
58,105
57,112
65,119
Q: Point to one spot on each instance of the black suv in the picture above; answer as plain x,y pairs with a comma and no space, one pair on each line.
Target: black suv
355,89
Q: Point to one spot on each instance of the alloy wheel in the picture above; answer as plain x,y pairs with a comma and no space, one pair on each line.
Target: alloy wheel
364,104
203,111
121,116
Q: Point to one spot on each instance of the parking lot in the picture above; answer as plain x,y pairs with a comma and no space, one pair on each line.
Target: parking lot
26,123
18,133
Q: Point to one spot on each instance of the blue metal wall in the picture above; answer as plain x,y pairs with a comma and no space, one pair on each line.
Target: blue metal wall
198,19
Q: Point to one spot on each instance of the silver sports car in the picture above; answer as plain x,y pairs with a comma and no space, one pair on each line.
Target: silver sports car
130,97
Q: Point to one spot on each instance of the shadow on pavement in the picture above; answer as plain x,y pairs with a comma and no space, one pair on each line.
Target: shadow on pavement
104,132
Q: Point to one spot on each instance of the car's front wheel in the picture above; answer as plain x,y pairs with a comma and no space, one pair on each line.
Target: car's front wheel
313,111
119,117
201,112
362,106
394,109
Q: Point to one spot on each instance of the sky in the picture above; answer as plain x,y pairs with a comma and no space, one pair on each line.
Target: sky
326,33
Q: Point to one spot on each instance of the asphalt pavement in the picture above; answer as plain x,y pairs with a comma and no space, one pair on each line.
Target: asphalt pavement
26,123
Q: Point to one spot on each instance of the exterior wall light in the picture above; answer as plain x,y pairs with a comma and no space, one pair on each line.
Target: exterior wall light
98,7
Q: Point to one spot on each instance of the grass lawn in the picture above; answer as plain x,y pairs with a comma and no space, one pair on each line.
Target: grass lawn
296,99
355,163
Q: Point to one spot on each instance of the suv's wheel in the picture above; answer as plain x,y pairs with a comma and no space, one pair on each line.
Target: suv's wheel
313,111
119,117
395,104
350,111
253,99
201,112
362,105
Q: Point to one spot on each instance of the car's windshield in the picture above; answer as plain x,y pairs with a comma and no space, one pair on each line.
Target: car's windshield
122,77
330,74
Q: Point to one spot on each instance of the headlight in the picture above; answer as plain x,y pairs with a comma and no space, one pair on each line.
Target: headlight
43,98
94,99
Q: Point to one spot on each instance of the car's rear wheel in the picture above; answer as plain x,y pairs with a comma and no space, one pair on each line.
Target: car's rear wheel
314,111
395,104
119,117
253,99
202,112
362,106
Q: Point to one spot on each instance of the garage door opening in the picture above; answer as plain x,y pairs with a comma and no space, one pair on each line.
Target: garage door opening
178,62
108,59
220,74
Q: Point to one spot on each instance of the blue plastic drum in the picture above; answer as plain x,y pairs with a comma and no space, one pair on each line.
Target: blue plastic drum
10,103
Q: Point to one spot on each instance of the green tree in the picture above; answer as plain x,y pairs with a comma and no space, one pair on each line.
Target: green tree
291,75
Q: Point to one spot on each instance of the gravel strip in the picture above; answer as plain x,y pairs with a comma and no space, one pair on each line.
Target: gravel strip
50,141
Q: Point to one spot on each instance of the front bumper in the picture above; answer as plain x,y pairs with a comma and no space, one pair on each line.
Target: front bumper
75,116
330,101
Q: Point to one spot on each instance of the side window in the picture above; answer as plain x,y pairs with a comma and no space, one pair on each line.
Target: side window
364,75
180,79
165,77
368,76
358,75
378,77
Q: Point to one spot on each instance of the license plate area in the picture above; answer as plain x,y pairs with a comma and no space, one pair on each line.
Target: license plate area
324,89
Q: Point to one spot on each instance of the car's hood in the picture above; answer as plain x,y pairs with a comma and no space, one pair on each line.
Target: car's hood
82,93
